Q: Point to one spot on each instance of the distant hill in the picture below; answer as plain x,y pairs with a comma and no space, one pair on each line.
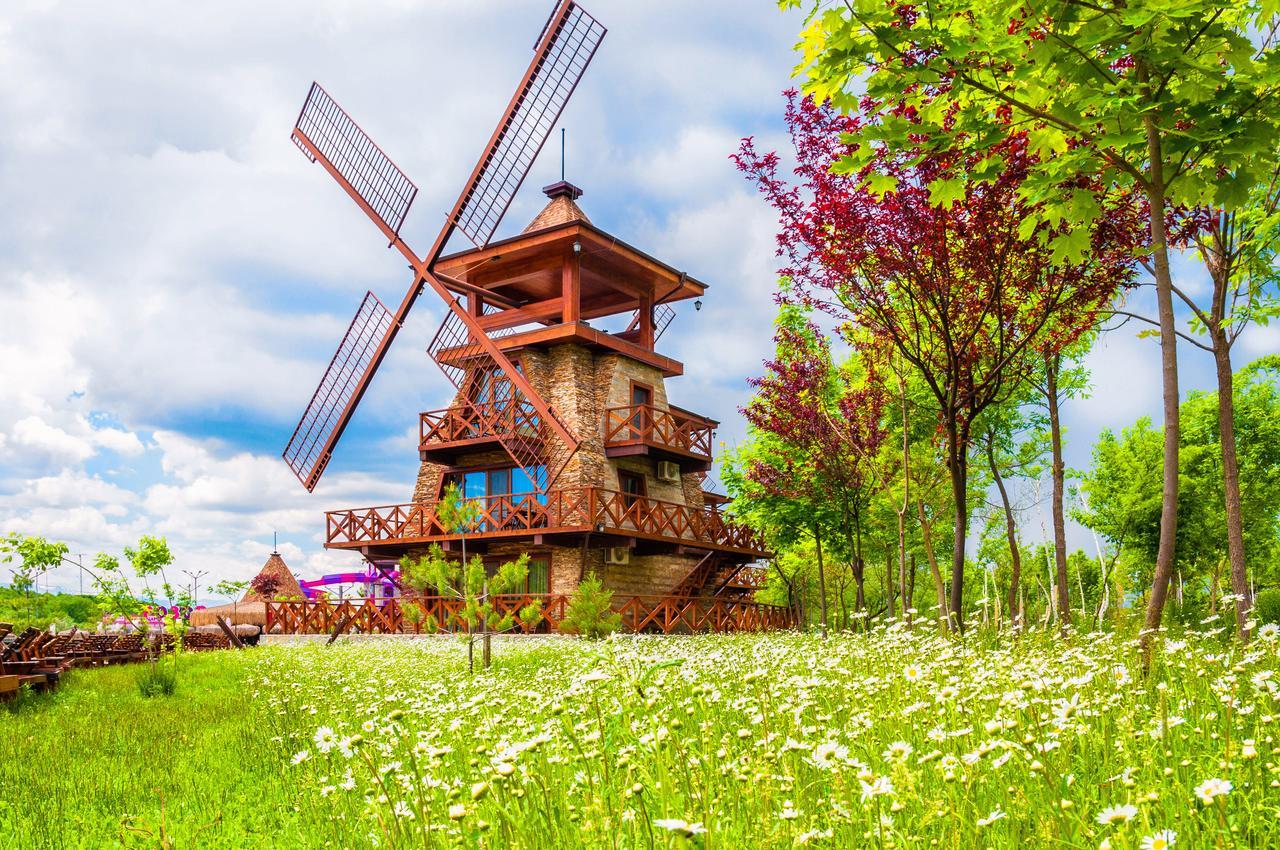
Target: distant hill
65,609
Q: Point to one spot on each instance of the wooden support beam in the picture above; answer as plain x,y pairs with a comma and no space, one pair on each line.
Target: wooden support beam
463,288
646,322
538,311
340,628
571,286
230,633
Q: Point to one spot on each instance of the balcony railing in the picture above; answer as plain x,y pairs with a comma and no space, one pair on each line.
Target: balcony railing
644,424
565,510
476,422
666,614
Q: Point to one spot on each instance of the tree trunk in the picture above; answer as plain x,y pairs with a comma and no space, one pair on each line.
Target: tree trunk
958,465
1051,365
1231,475
822,580
1011,532
911,576
1166,551
926,529
906,501
888,582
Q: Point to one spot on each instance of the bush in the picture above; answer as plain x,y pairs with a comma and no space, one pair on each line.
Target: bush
588,612
1266,605
156,680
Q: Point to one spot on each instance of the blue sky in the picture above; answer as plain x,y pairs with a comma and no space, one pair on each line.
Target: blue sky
174,275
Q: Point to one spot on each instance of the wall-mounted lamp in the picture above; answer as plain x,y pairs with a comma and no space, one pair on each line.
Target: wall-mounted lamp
697,305
577,247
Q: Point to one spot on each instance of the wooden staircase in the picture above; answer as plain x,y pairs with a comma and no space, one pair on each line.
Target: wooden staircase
716,576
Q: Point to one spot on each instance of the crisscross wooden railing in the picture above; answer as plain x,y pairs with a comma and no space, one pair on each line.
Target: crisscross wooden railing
665,614
564,510
511,418
655,426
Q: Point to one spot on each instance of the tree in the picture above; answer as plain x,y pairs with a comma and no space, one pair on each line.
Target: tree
1240,249
588,612
999,431
471,584
1176,101
233,590
35,555
828,420
1122,489
952,273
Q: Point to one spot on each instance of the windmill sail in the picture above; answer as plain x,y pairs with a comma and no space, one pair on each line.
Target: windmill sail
327,414
328,135
569,41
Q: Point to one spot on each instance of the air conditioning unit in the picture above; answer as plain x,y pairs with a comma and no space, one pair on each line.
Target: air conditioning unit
668,471
617,555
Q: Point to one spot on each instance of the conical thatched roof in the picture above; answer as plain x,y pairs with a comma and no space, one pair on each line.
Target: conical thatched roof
287,585
561,209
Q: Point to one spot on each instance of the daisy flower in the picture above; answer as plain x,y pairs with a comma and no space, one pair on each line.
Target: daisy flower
1162,840
1210,789
1117,814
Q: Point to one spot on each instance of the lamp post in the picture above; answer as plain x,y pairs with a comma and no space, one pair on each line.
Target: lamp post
195,584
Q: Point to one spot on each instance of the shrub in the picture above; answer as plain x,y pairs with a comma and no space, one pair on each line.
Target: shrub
1266,605
588,612
157,680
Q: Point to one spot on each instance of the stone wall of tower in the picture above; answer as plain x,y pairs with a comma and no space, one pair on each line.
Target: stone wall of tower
581,385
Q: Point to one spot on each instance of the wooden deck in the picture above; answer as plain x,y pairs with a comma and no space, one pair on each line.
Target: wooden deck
657,614
565,511
647,429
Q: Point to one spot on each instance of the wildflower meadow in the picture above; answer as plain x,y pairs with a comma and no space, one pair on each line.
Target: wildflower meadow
898,738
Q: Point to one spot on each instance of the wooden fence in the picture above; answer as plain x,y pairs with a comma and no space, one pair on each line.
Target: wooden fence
658,614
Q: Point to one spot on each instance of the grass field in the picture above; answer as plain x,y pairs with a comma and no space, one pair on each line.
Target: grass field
896,739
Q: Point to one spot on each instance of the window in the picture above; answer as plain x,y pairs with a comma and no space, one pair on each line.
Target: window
641,398
539,574
501,491
538,579
632,485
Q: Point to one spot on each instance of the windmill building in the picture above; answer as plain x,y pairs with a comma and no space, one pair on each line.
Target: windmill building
560,432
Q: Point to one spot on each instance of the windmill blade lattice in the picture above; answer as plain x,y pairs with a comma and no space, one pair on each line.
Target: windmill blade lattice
327,414
325,132
568,42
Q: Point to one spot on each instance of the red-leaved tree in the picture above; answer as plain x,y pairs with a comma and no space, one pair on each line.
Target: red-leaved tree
830,421
937,258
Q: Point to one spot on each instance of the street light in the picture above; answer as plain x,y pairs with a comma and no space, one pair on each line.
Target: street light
195,584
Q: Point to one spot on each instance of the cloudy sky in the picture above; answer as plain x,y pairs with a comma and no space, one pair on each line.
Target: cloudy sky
174,275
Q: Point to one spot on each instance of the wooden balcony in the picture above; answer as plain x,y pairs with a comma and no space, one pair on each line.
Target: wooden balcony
662,614
673,434
443,435
605,513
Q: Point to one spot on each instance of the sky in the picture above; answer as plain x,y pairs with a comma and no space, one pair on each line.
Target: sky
174,274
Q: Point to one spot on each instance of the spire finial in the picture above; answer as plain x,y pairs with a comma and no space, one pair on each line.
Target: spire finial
562,133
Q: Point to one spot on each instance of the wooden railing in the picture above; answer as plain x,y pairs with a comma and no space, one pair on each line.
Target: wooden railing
564,510
644,423
665,614
478,421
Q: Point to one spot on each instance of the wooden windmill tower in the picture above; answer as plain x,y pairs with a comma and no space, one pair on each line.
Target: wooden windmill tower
560,430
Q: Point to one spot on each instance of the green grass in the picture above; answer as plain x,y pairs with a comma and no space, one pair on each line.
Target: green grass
75,764
896,739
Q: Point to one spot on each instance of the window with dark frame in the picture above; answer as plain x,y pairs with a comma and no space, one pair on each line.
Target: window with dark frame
632,486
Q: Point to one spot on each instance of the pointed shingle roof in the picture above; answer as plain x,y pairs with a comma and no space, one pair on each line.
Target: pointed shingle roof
561,209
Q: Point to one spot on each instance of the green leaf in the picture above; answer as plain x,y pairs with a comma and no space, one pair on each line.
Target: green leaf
946,192
1070,246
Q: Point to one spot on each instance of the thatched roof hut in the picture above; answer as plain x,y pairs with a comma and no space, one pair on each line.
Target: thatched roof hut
252,609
